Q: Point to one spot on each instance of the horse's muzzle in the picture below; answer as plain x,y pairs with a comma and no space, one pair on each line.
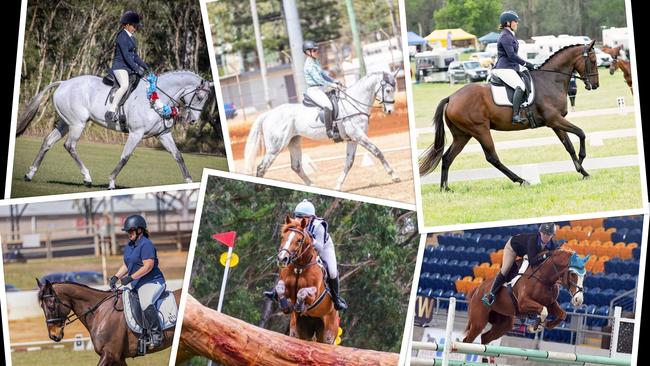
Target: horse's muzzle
283,262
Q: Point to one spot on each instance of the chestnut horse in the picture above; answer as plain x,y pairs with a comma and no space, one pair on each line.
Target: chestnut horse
624,66
536,292
301,289
614,52
101,312
471,112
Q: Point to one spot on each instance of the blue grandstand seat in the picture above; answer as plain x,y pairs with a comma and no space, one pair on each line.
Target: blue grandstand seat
564,296
619,235
602,311
592,295
636,253
444,239
633,236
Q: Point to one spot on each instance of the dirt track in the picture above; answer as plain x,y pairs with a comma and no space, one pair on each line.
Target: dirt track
387,132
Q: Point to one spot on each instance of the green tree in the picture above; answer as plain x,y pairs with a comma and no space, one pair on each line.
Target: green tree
419,15
475,16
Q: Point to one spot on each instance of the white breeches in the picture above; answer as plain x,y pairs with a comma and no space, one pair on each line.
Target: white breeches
318,96
509,77
122,77
149,293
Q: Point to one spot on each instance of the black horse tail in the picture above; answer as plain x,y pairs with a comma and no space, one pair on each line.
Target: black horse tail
431,157
30,110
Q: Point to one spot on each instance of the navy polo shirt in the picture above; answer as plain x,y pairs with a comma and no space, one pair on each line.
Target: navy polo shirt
134,254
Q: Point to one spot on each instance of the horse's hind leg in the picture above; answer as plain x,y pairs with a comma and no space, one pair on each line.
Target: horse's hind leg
568,145
351,150
296,159
374,150
266,162
460,140
485,139
71,146
167,140
501,324
131,143
60,130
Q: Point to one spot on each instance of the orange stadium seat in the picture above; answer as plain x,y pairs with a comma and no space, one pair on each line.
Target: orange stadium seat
496,257
480,270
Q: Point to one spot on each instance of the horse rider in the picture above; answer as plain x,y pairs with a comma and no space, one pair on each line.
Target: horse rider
322,241
140,269
125,60
319,81
509,63
519,245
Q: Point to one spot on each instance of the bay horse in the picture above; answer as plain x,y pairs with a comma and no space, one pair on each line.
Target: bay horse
101,312
284,126
470,112
536,292
83,98
301,289
613,51
624,66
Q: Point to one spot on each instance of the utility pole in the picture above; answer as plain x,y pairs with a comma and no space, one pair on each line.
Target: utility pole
294,32
260,52
355,38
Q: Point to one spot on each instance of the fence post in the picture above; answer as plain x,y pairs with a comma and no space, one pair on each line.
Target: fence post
449,342
179,245
48,245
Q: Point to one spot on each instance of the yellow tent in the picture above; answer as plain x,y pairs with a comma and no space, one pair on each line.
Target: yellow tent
459,38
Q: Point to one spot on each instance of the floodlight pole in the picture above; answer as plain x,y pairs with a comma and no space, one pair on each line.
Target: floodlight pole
355,38
260,52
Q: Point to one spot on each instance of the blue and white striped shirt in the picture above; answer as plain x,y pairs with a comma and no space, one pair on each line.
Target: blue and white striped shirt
315,75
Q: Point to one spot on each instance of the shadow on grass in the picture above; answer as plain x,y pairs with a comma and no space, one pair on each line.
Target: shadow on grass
82,185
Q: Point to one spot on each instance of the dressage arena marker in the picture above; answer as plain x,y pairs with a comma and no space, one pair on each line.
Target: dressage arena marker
527,354
367,160
543,168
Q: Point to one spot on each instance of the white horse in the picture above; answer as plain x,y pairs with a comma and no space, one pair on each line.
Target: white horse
284,125
83,98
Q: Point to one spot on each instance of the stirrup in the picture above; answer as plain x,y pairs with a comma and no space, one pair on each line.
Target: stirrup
487,300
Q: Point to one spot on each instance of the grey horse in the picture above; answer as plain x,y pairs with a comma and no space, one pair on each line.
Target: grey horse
83,98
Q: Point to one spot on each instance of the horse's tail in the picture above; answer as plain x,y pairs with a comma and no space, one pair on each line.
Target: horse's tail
30,110
253,144
431,157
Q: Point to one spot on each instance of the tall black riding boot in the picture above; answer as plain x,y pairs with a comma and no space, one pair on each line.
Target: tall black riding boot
327,119
488,299
516,105
339,303
152,323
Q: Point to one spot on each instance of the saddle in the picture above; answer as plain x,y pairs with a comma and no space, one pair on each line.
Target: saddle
110,80
502,94
167,312
513,276
334,99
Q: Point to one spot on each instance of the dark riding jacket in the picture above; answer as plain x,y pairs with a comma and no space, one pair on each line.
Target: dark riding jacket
531,245
126,56
507,47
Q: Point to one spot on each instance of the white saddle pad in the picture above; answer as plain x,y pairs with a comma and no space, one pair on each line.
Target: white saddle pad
500,96
522,270
167,311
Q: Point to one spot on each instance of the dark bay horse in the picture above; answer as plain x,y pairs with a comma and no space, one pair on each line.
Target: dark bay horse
471,112
101,312
536,293
301,288
624,66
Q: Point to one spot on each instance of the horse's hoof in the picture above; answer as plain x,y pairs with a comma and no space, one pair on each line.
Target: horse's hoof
88,184
524,183
585,177
396,179
446,190
26,178
188,180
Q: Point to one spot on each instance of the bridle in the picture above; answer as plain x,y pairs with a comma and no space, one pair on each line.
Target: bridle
302,249
588,72
182,104
63,320
385,81
561,273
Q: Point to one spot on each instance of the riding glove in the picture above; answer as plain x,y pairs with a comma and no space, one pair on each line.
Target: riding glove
530,66
113,282
126,280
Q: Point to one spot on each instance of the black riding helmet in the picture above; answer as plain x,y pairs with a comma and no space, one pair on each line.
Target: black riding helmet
134,222
131,17
547,228
308,45
508,16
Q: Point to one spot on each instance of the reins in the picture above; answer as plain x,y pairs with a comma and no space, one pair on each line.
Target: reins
64,321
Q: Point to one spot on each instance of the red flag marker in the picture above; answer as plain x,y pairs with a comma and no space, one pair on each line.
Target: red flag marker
227,238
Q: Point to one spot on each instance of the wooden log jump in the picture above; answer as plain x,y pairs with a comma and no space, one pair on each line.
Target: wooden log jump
234,342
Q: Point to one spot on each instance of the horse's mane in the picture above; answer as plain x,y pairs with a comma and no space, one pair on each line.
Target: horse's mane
558,52
179,72
40,291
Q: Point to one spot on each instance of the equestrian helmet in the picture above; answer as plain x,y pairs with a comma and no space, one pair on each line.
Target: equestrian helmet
131,17
508,16
547,228
309,45
134,222
305,208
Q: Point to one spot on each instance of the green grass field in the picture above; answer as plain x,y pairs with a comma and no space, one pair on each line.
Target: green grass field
557,194
59,173
22,275
74,358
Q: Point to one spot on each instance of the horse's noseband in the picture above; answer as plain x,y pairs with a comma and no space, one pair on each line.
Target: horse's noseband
292,256
382,85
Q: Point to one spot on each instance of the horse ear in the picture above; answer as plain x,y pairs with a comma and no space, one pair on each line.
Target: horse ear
38,282
591,45
287,219
585,259
303,222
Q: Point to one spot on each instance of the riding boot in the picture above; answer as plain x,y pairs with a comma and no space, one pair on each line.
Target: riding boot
271,294
110,116
153,325
327,118
516,105
488,299
339,303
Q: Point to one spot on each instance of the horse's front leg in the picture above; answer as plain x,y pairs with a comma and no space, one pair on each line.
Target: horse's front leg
108,359
167,140
296,159
351,150
568,145
363,140
559,122
528,306
557,313
285,303
303,295
131,142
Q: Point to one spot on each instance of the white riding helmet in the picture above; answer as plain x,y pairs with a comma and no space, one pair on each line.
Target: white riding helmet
305,208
